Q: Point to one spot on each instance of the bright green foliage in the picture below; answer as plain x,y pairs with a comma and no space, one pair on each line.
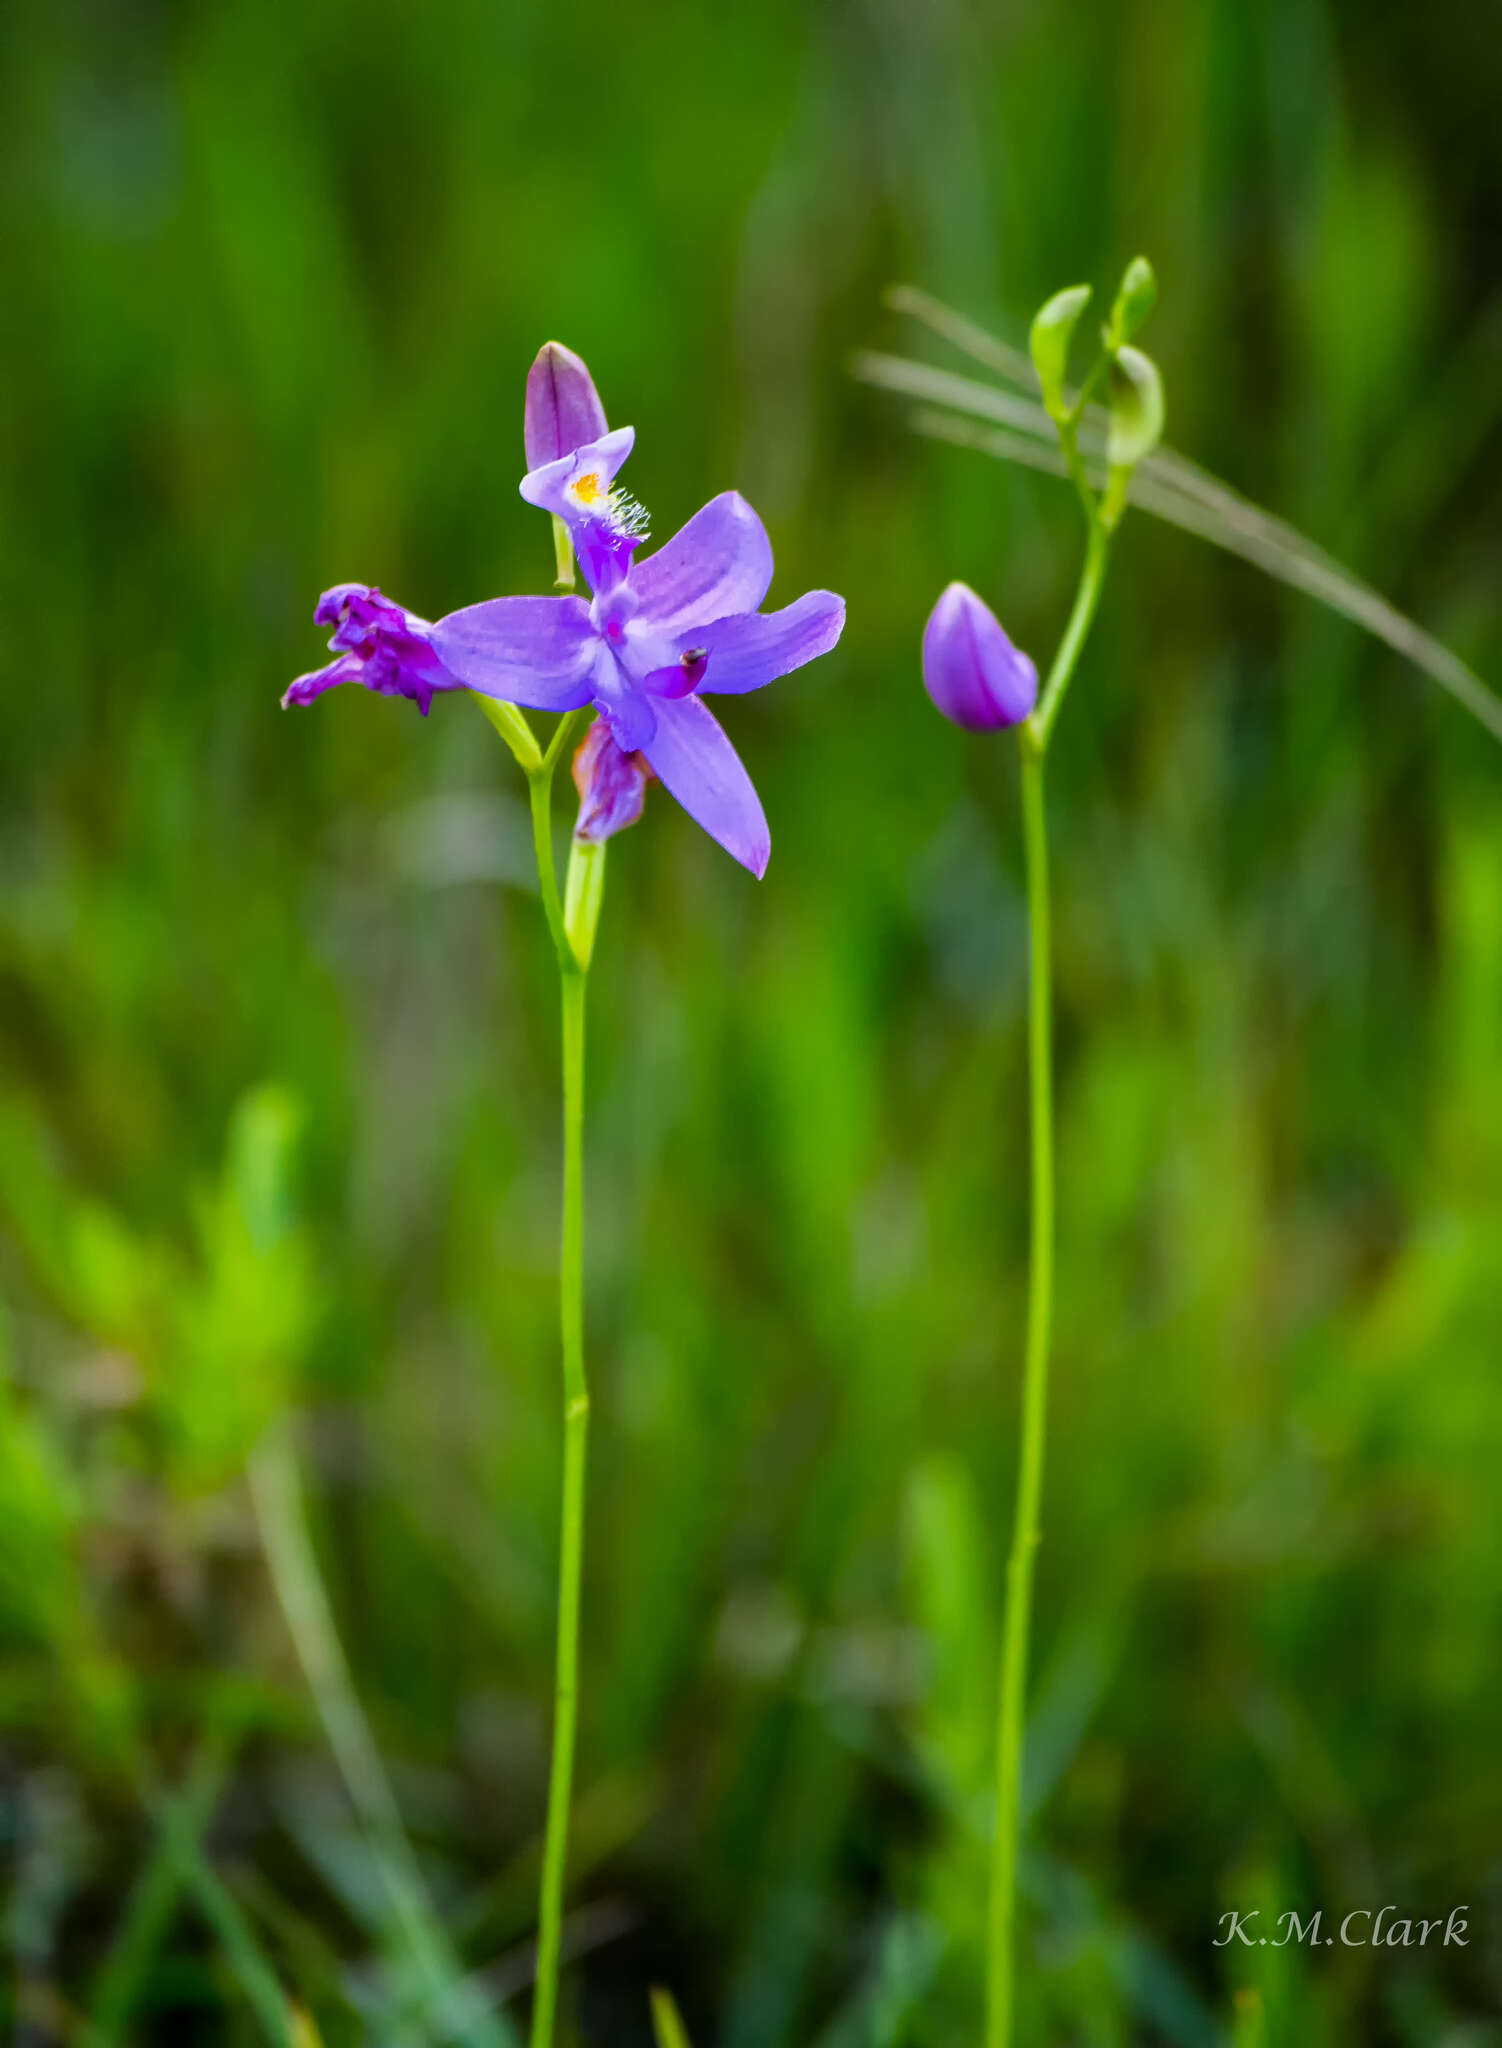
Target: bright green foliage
38,1577
244,1323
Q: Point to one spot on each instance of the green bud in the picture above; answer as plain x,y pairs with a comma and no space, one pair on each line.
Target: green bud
513,728
583,893
1053,329
1136,402
1135,300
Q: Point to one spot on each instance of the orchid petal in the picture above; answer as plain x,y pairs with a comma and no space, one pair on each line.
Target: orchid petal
536,651
757,647
628,713
679,678
698,765
720,563
563,408
601,458
347,669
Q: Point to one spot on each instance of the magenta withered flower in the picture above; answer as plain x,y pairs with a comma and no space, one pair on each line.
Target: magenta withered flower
971,669
657,637
379,644
563,407
612,785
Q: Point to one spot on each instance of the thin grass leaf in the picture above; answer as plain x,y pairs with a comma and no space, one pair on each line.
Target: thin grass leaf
1249,2023
252,1972
880,2011
451,2004
305,2032
1167,484
667,2026
154,1896
1012,363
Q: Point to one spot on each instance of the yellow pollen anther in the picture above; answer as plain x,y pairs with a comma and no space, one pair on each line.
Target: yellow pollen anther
587,488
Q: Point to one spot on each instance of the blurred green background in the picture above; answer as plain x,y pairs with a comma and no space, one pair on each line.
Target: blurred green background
278,1069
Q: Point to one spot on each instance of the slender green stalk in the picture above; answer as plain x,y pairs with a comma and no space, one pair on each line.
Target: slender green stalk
1026,1527
540,786
572,978
1098,528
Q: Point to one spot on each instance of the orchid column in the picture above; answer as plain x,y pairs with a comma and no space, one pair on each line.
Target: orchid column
978,679
654,639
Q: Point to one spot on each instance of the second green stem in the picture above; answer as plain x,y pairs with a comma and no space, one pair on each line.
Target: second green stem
1100,523
1025,1528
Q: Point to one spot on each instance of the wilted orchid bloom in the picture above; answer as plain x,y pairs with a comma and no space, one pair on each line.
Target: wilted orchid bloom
379,644
612,786
971,669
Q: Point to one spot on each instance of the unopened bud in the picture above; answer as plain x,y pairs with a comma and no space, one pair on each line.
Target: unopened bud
1135,300
974,674
1053,330
1136,404
563,410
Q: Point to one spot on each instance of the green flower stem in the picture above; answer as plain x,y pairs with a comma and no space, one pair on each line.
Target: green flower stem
1025,1528
572,977
1038,728
540,786
571,1545
1026,1531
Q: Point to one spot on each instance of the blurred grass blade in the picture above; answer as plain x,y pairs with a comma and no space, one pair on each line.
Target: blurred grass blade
880,2011
973,341
154,1896
1249,2030
179,1864
255,1976
1168,485
454,2005
667,2026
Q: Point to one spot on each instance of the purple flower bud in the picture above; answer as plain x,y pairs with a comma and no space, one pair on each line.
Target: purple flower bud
563,407
612,784
971,669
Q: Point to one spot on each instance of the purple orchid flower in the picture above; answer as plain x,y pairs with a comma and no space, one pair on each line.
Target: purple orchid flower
657,634
612,785
379,644
972,671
